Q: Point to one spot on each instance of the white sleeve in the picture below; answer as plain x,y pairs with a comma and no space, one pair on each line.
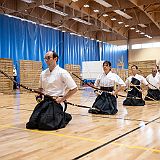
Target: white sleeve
120,81
147,78
68,80
144,81
127,82
97,81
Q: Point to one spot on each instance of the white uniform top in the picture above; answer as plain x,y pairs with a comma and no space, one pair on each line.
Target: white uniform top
137,76
155,81
108,80
158,74
56,82
14,72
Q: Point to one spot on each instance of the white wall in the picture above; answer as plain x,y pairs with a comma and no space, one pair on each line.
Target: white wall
145,54
141,54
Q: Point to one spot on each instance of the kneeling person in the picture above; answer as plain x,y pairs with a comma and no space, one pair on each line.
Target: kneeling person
153,92
106,102
50,114
133,84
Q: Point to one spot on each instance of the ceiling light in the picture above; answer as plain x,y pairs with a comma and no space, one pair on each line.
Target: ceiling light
147,36
142,25
122,14
132,28
73,33
82,21
137,31
86,5
103,3
74,0
28,1
96,10
126,25
142,33
53,10
105,15
113,19
120,22
106,30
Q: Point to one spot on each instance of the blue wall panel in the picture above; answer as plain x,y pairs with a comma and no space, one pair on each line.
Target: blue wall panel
23,40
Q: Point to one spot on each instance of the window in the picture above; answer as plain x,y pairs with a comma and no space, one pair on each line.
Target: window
147,45
136,46
156,44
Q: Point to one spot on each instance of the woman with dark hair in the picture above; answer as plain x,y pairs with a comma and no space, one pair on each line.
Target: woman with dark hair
106,102
133,85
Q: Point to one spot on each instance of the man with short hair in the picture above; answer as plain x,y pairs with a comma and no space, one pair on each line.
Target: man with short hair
50,113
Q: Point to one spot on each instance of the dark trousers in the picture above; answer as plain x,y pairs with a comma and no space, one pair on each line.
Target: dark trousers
14,84
48,115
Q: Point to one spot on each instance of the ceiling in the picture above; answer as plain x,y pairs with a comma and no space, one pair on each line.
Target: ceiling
104,20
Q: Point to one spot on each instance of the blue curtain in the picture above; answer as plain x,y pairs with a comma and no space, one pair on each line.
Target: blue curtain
78,49
23,40
114,54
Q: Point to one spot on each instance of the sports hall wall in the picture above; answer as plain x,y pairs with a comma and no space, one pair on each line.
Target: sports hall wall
145,54
142,54
24,40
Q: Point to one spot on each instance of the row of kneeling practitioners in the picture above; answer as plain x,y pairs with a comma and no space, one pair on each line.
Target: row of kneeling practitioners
50,113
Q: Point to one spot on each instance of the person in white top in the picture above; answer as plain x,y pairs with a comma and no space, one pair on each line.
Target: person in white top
14,76
106,102
154,85
50,113
133,84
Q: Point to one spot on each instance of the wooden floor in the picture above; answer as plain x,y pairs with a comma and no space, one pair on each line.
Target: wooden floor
132,134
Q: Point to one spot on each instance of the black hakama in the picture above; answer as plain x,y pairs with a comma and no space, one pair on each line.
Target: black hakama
105,103
134,96
48,115
154,94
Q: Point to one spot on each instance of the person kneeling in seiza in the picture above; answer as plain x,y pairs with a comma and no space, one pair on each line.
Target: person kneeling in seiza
153,92
50,113
133,84
106,101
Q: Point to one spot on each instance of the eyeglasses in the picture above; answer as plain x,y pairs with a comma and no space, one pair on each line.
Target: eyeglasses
47,58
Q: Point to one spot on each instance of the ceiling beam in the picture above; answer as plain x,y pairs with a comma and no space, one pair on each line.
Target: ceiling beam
107,22
147,2
135,2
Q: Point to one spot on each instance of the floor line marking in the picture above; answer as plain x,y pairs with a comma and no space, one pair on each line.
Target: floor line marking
82,138
136,147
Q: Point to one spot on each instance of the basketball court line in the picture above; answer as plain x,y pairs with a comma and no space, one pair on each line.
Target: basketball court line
81,138
113,140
